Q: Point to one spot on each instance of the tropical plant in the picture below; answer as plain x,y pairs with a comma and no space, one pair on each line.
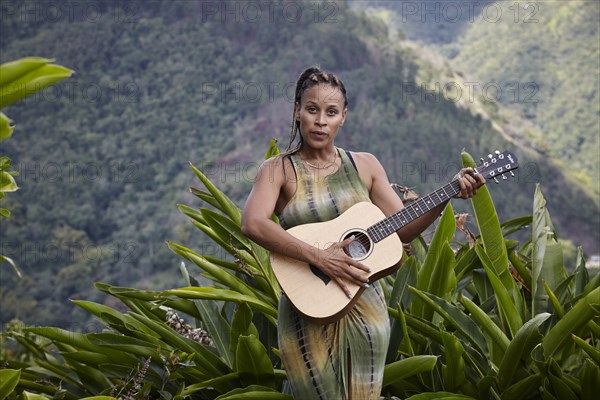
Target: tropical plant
19,79
495,336
488,318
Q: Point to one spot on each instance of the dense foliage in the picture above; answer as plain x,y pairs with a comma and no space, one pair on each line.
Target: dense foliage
161,83
463,325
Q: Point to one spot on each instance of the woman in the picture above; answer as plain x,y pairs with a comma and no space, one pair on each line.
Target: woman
314,182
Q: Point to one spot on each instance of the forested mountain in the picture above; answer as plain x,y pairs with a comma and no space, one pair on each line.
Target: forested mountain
539,59
104,155
555,47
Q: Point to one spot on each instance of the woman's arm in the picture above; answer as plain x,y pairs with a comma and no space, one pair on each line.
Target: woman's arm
384,197
258,226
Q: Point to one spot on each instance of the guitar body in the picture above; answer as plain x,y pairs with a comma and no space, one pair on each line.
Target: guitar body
312,293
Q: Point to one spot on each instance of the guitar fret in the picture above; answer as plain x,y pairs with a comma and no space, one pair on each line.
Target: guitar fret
391,224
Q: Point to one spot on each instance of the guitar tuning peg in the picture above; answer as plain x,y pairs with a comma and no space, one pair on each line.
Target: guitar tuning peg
497,152
490,156
511,173
496,180
481,159
504,177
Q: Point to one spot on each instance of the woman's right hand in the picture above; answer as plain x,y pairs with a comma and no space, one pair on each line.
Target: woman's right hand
342,268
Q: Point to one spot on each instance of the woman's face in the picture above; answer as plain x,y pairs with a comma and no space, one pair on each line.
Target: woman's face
321,113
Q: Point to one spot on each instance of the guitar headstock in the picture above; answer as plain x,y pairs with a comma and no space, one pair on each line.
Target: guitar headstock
497,165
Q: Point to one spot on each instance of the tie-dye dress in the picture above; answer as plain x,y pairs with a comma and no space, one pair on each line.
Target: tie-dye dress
345,359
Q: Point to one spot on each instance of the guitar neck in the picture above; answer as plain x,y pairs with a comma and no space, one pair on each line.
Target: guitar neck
414,210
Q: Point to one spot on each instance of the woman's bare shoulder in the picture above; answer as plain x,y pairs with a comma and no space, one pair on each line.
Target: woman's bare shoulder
275,168
366,160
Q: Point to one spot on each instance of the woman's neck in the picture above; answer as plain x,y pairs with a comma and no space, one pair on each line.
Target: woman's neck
324,155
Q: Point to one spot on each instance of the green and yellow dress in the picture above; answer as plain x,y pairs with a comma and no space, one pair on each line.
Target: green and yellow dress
345,359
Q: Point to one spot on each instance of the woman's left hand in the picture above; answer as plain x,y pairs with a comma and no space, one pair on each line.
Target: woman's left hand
469,181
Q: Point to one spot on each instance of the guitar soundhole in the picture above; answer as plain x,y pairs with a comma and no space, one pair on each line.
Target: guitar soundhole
360,247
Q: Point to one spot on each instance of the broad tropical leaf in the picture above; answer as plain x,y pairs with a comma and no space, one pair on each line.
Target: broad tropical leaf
491,235
408,367
547,266
24,77
8,381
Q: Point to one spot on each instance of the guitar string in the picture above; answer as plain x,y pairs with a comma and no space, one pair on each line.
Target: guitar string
383,228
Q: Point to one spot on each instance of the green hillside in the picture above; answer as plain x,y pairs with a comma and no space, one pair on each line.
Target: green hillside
552,54
104,155
540,59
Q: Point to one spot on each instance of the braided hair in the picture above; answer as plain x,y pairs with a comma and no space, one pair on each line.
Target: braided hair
308,78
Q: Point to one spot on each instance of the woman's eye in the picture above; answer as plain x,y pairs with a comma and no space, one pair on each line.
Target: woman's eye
332,112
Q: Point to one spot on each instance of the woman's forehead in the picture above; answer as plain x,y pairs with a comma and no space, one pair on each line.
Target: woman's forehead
323,93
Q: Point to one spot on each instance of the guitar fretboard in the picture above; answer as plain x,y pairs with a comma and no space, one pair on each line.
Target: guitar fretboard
414,210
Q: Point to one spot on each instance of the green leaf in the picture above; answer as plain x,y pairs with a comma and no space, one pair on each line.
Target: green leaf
8,381
507,308
33,396
217,328
99,398
453,373
13,70
554,301
519,350
524,389
31,82
407,367
12,263
240,326
443,279
215,272
491,234
406,276
253,363
6,126
273,149
436,258
466,262
223,294
227,229
125,324
494,335
455,318
438,396
254,392
582,312
521,268
581,273
7,182
226,205
547,254
589,377
589,349
399,337
204,358
515,225
559,385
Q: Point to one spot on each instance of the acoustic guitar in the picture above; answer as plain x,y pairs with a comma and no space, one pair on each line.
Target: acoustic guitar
375,245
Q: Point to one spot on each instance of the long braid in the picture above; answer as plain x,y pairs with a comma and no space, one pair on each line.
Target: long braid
308,78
